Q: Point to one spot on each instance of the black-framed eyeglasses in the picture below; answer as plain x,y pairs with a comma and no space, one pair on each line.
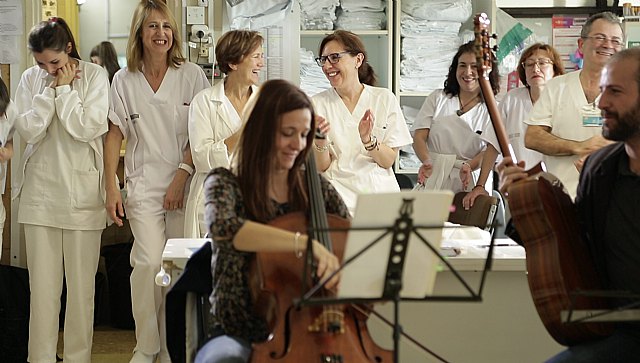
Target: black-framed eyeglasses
333,58
540,62
601,39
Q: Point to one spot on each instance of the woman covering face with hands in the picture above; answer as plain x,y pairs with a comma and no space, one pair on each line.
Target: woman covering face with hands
62,105
363,124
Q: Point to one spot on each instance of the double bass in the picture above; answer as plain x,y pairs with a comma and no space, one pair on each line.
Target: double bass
329,333
558,262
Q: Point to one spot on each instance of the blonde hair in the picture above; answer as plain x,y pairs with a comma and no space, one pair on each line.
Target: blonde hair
135,48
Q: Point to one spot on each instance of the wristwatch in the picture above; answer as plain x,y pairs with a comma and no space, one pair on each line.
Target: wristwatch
186,167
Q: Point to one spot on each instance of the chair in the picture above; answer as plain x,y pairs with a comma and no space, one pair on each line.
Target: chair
188,326
481,215
404,181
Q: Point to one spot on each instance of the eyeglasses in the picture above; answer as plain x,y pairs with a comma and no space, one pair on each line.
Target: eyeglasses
601,39
530,64
333,58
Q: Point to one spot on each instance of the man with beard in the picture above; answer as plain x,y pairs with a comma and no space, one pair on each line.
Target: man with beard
564,125
607,204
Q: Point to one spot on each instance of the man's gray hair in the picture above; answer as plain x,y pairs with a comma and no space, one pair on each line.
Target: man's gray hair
606,16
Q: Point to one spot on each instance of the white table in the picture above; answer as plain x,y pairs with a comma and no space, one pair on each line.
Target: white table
177,252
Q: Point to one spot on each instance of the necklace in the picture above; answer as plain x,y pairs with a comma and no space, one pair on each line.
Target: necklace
462,106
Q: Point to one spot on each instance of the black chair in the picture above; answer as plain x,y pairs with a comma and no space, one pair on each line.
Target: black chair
196,280
404,181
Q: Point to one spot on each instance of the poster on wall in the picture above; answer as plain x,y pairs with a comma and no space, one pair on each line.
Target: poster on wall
11,17
49,8
566,32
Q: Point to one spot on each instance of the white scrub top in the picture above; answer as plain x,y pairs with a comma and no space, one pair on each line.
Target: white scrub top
353,171
514,110
561,107
448,132
155,126
451,135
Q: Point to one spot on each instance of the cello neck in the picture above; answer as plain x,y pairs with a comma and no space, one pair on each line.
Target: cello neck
318,222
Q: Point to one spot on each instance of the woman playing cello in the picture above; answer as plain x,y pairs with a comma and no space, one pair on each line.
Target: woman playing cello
265,181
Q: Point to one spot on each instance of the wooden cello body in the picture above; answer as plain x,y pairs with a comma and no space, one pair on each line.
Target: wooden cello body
558,261
331,334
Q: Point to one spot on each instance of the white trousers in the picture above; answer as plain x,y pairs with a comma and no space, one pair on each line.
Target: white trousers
147,299
52,254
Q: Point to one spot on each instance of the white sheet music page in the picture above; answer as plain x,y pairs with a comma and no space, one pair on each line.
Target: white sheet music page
365,276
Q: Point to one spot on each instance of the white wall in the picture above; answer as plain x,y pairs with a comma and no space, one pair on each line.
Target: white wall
105,20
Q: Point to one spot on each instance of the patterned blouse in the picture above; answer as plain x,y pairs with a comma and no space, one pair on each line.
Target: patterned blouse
231,302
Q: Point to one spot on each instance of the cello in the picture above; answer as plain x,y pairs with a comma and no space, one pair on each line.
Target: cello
329,333
558,262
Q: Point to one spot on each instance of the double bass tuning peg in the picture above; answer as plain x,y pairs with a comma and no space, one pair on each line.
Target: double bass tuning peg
495,48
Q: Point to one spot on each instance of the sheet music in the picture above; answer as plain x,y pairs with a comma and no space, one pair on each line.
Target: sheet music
365,276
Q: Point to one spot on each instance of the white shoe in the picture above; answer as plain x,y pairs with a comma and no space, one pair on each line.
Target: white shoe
139,357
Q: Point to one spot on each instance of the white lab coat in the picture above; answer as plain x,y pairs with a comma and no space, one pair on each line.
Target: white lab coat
155,126
6,134
61,190
61,183
353,171
212,119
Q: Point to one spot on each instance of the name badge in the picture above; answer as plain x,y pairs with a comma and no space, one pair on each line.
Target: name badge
591,116
592,121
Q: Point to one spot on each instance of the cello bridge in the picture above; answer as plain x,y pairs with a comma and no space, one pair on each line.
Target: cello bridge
330,321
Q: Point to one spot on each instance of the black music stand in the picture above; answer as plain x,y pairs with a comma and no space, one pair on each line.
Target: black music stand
629,311
401,230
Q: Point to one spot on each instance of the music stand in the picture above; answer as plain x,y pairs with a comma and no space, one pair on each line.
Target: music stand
412,212
629,311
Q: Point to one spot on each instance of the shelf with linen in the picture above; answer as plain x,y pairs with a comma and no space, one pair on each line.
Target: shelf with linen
358,32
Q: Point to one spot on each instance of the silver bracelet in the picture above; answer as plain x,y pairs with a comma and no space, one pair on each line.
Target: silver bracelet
321,148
